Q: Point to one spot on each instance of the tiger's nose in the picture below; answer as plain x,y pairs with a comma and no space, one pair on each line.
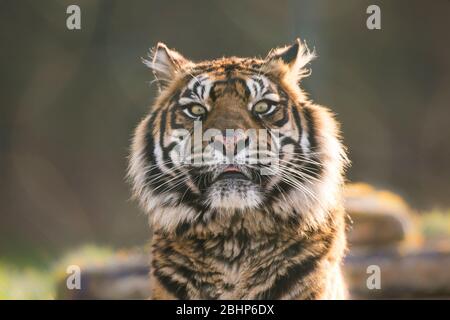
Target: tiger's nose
230,139
234,141
232,146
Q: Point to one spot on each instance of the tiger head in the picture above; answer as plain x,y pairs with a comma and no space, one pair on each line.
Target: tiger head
235,136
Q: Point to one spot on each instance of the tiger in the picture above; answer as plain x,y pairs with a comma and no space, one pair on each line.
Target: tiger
234,227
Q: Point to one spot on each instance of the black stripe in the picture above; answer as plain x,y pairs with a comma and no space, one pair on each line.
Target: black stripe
313,168
297,121
178,290
311,128
149,141
290,279
149,153
162,128
203,92
283,120
195,87
255,87
260,82
188,93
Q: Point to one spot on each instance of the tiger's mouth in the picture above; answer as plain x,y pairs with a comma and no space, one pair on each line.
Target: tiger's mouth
232,172
234,187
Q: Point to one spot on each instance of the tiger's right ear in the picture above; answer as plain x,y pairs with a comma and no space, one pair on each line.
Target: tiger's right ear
291,60
165,63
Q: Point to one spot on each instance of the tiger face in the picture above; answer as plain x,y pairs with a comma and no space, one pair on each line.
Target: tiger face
234,136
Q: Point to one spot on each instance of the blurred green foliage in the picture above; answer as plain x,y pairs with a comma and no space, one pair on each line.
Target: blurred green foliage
38,281
25,283
435,224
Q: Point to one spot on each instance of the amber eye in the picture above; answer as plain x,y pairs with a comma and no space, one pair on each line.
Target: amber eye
195,111
263,108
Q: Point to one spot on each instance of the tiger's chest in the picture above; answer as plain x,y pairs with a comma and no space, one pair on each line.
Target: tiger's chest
232,268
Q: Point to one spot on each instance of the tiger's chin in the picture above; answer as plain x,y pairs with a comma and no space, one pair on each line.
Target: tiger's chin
234,194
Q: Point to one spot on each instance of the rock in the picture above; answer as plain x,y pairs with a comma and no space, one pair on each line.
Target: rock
418,274
380,218
119,279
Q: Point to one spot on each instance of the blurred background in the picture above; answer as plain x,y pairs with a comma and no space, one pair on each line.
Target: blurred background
70,100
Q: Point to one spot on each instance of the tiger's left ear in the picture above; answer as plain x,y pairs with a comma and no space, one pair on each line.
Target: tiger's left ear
291,60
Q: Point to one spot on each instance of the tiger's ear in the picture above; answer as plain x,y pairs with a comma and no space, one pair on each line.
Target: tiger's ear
291,60
165,63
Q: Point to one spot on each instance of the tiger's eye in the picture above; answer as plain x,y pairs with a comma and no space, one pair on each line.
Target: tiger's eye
197,110
261,107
